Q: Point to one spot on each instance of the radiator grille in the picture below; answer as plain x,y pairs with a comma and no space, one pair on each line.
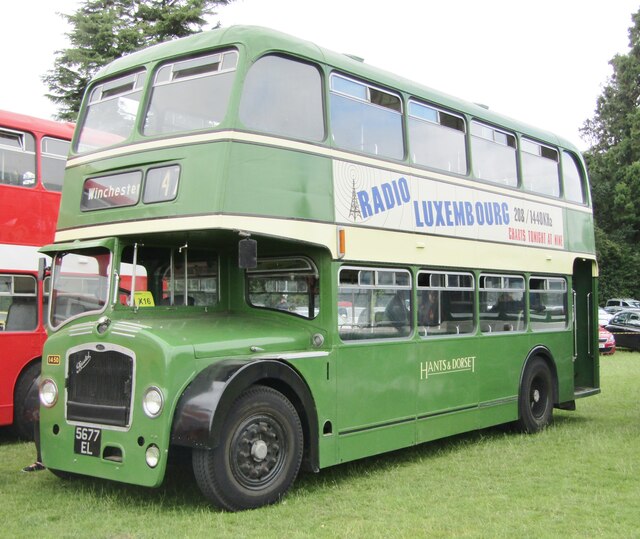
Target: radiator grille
99,387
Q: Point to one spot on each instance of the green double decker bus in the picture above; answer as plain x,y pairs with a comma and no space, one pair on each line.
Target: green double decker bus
280,257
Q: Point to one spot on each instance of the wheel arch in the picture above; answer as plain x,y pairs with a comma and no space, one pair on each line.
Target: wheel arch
207,400
543,352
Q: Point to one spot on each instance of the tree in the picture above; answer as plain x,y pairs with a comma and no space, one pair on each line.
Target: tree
614,166
104,30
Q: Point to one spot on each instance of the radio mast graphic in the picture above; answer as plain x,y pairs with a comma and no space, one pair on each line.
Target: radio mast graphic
354,211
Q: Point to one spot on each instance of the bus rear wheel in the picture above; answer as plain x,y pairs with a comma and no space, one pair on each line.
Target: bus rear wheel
535,400
259,453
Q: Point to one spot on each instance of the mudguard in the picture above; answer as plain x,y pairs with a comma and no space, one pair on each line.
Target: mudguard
206,402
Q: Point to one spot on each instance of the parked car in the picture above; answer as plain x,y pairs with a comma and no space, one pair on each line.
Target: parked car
603,316
625,326
616,304
606,342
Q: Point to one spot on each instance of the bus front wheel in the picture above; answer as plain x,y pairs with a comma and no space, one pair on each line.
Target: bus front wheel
536,396
259,453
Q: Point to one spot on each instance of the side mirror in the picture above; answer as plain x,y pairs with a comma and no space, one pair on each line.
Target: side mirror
247,254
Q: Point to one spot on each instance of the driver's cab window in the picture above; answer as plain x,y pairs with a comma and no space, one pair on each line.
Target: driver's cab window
289,285
167,276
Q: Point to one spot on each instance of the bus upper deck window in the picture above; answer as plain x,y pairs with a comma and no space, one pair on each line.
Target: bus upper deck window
572,179
494,154
191,94
540,168
111,112
437,138
54,153
365,118
17,158
284,97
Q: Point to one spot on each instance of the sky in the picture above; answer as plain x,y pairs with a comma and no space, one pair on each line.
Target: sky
542,62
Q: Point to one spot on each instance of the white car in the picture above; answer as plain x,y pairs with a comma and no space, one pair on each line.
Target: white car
603,317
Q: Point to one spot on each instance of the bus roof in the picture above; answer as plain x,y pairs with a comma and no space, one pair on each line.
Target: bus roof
30,123
258,41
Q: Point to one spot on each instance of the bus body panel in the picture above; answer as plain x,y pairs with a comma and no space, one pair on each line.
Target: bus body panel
169,353
332,223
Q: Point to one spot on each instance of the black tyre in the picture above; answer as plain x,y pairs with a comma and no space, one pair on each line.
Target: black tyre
535,400
26,405
259,453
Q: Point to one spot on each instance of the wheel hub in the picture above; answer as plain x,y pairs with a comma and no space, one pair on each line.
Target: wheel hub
536,395
259,450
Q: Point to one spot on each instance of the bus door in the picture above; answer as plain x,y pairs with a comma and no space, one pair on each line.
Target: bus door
586,377
376,370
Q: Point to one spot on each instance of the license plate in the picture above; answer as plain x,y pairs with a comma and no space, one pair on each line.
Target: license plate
87,441
602,345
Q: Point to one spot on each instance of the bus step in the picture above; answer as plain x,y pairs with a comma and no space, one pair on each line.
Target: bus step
580,392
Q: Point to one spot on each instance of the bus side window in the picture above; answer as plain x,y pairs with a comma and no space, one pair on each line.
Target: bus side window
540,172
501,303
572,179
17,159
446,303
494,154
366,119
273,103
374,303
548,303
18,303
437,138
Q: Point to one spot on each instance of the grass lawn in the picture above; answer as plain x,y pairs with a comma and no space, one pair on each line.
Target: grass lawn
579,478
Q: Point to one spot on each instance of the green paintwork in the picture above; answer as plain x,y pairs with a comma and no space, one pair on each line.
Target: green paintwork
369,397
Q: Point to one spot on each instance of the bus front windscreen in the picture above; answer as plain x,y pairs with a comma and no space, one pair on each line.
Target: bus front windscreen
110,113
80,283
191,94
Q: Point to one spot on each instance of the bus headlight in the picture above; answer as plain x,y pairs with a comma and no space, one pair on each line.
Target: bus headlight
48,392
152,402
152,455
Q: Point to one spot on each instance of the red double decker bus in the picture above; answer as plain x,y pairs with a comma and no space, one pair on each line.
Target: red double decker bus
33,154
